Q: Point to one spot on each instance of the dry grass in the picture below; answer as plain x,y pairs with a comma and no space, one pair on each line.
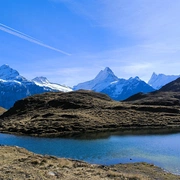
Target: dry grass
62,114
2,110
19,164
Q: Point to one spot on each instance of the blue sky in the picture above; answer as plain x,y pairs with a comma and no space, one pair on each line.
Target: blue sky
70,41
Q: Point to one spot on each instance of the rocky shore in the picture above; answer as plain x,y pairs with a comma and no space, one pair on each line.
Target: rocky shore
18,163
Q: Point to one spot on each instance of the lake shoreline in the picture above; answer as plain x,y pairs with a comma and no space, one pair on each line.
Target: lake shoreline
129,143
100,132
25,164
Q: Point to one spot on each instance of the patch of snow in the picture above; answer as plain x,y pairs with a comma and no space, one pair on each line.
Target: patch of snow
43,82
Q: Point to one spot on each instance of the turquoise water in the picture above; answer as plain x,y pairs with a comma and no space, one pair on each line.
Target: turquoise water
161,150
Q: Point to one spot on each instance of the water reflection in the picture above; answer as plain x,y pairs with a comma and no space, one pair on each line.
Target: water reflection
159,148
105,135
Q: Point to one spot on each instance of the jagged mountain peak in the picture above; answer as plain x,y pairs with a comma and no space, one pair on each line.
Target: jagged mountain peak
14,87
41,79
135,79
44,82
154,74
8,73
107,69
103,79
106,73
118,89
159,80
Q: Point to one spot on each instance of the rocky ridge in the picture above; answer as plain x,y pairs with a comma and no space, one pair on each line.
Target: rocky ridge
168,95
14,87
159,80
77,112
116,88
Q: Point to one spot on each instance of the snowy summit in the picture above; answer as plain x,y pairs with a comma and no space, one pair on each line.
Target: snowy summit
43,82
159,80
118,89
102,80
7,73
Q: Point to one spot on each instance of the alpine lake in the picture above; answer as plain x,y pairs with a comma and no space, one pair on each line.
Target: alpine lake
161,148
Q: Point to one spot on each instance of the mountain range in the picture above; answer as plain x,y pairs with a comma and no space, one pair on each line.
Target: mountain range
117,88
159,80
59,114
168,95
14,87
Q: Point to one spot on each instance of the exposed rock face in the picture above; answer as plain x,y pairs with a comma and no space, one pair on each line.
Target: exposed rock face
62,114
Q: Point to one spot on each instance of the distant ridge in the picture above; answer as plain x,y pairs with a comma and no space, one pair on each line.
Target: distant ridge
44,82
159,80
118,89
57,114
168,95
14,87
172,86
102,80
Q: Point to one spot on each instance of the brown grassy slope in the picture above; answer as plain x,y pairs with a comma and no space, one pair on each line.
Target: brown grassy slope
19,164
168,95
159,98
2,110
172,86
61,114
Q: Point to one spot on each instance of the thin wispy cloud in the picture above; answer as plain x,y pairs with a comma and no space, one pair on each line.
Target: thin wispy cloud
148,21
28,38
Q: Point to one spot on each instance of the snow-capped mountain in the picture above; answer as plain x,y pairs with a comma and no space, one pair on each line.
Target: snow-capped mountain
159,80
7,73
101,81
126,88
43,82
14,87
118,89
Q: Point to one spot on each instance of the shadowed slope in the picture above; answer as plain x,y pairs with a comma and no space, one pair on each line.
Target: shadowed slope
173,86
62,114
168,95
